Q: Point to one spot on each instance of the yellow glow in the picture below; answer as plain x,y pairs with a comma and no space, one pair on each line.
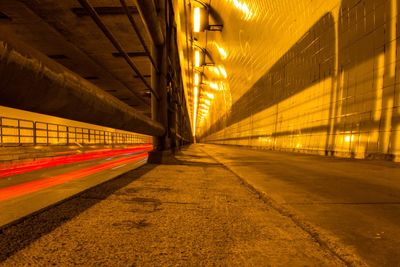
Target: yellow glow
210,95
223,71
197,58
248,14
195,99
196,79
206,101
196,19
216,71
349,138
214,86
222,52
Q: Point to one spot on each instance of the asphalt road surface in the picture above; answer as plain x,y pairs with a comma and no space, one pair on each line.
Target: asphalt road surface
355,202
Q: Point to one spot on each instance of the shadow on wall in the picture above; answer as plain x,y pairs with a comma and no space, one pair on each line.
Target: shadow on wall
302,103
365,114
309,60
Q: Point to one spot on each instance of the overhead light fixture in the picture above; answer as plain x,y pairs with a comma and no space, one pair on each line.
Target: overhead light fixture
201,17
198,61
196,19
196,79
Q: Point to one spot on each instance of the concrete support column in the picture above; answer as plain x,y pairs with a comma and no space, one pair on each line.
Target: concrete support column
155,84
167,80
159,108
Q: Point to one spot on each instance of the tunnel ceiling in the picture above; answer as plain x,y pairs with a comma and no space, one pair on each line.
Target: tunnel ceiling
255,34
243,41
65,32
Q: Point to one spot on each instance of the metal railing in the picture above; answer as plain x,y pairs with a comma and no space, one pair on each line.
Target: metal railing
20,132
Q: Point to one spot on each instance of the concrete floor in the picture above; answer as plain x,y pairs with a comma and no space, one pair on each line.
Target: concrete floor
191,211
349,204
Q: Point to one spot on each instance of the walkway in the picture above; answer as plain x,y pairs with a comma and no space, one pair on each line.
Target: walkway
191,211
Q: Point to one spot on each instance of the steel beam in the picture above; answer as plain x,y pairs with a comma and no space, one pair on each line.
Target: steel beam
148,12
99,22
137,31
105,11
31,81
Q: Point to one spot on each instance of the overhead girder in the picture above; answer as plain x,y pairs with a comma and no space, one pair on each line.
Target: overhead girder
31,81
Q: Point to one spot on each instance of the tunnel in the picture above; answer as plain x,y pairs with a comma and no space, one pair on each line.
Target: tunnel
199,133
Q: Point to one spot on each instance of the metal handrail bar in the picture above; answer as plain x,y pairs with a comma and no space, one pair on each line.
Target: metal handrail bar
63,134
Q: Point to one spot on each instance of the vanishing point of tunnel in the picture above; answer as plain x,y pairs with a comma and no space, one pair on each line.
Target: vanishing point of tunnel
199,133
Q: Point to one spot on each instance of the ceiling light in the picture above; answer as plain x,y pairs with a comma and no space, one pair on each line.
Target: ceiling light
197,58
196,79
196,19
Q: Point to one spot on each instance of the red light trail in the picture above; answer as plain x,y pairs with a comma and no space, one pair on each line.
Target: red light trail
7,170
33,186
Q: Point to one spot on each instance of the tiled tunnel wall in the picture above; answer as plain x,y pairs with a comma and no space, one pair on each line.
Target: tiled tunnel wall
334,92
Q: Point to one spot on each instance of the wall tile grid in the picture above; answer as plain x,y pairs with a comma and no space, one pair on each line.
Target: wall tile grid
311,76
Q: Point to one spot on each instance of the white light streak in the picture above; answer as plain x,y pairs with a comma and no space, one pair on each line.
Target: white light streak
223,71
196,19
197,58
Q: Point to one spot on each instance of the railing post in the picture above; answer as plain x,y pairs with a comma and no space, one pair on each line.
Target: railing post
34,134
1,131
58,134
47,133
19,132
67,136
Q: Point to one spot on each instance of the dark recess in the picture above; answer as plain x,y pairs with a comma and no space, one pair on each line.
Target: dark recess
59,56
131,54
105,10
146,76
91,78
3,16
